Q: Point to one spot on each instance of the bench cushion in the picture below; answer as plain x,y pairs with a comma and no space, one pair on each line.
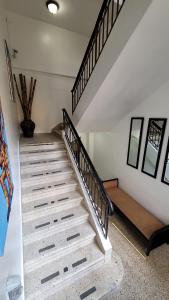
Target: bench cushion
137,214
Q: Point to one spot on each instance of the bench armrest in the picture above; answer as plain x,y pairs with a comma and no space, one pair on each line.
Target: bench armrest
158,238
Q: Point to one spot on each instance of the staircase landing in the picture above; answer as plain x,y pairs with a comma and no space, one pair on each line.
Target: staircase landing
40,138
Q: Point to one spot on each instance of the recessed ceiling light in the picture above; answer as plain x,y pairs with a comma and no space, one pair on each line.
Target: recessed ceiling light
52,6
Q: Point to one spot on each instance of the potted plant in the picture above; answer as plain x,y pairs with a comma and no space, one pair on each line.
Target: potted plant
26,100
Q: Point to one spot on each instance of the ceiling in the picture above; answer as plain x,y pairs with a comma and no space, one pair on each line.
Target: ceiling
75,15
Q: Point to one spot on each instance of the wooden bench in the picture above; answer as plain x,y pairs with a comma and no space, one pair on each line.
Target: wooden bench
153,231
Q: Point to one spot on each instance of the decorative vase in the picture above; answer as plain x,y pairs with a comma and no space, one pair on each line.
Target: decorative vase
28,127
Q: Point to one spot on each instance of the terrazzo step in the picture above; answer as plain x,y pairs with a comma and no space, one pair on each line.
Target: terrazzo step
59,271
45,211
36,214
41,147
36,229
57,245
51,189
42,156
95,285
35,178
44,165
64,200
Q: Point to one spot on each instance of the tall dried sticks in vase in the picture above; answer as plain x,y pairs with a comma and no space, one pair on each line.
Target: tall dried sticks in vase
25,95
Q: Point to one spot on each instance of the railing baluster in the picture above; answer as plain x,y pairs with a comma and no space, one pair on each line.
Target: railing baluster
107,29
73,102
117,8
87,71
90,63
99,40
112,20
87,175
92,57
79,87
82,81
95,49
103,32
78,93
76,97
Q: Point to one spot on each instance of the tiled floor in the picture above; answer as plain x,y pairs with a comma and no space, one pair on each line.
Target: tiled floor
145,278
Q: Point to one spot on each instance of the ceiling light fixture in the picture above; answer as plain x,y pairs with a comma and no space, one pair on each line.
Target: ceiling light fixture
52,6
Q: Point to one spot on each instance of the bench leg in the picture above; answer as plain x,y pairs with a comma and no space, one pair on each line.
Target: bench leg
147,251
149,246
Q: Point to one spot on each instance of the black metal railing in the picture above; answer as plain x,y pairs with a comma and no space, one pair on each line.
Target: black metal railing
107,17
93,184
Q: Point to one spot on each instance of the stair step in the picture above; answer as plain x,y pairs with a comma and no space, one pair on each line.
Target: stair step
42,156
58,201
45,146
36,174
57,245
40,227
45,165
45,211
34,178
96,284
59,271
52,188
39,139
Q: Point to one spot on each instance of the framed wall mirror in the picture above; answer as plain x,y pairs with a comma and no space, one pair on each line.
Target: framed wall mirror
136,130
153,146
165,174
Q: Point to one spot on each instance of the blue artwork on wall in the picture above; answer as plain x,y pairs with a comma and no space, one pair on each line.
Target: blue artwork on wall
6,185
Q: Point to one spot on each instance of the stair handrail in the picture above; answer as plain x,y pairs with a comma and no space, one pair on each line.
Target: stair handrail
70,131
105,10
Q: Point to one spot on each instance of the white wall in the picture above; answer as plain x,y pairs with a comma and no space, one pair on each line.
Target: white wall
110,156
88,142
52,94
53,56
44,47
11,262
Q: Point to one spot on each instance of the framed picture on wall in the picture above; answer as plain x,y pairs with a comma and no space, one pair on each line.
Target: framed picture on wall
153,146
134,145
6,184
165,174
9,70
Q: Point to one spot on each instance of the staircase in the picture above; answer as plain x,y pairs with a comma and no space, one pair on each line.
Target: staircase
62,259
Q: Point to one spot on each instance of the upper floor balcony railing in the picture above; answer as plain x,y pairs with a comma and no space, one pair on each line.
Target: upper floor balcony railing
107,17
